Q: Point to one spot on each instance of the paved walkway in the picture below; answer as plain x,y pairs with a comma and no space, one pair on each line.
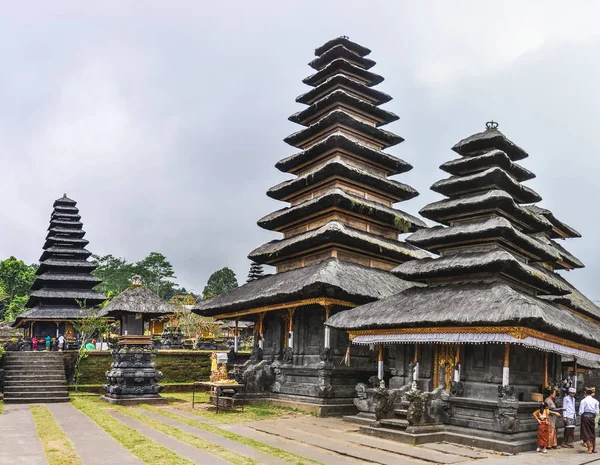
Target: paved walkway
19,443
94,445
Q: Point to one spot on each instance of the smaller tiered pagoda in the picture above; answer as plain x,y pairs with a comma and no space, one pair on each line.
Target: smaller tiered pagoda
64,283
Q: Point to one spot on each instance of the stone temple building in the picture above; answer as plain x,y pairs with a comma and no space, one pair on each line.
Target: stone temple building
340,237
64,283
468,352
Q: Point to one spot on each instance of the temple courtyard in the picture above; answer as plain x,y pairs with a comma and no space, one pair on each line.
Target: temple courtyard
90,432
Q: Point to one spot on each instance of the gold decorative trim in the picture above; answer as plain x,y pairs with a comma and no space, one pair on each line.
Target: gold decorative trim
517,332
322,301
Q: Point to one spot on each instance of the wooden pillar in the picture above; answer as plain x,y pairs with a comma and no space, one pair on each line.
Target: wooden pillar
261,318
380,361
575,373
545,374
505,369
235,337
291,328
457,364
327,342
416,362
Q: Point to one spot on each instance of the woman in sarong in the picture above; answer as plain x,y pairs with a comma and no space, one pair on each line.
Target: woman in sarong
588,409
553,440
542,416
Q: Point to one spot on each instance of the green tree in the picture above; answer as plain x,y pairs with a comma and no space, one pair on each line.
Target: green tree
157,274
15,307
220,282
16,279
114,272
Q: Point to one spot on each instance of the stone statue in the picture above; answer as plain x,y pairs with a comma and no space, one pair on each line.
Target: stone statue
259,377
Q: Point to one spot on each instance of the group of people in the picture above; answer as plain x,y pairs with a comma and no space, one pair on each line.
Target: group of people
547,416
48,342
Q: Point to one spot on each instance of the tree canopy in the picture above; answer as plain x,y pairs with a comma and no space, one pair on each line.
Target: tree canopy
219,282
16,279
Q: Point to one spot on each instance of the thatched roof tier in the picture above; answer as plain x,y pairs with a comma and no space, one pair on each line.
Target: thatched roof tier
468,165
469,264
464,305
341,65
483,231
66,208
344,143
66,224
137,299
339,51
49,312
341,121
584,363
55,251
65,216
343,40
340,199
330,278
352,86
338,168
66,297
64,201
66,231
491,178
52,240
86,281
494,201
332,233
560,230
567,260
340,97
52,264
487,140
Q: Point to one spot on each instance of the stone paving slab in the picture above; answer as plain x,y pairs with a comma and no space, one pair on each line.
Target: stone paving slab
94,445
305,450
19,442
229,444
193,416
454,449
577,456
340,446
376,443
185,450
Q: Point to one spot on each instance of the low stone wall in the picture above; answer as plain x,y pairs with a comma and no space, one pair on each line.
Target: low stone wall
177,366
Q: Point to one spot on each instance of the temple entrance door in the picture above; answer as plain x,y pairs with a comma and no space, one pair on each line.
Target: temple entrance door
443,355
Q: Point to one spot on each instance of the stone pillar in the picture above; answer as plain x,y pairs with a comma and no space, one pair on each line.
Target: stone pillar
133,378
380,361
505,369
235,338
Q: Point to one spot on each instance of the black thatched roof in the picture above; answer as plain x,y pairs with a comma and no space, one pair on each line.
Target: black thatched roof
137,299
337,118
486,140
562,230
339,51
482,231
338,167
566,260
64,201
336,197
44,278
343,40
468,165
467,263
343,142
50,312
330,278
352,86
343,66
335,232
339,96
470,304
494,201
491,178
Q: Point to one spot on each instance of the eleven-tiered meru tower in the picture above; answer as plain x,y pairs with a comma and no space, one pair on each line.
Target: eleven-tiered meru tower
341,200
340,234
64,284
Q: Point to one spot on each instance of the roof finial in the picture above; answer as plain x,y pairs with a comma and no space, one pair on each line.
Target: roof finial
136,280
491,125
346,37
65,195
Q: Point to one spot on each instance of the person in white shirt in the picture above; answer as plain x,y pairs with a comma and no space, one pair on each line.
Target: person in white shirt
569,418
61,342
588,409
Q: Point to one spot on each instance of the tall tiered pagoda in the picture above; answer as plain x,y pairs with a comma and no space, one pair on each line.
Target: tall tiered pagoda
64,284
340,231
494,319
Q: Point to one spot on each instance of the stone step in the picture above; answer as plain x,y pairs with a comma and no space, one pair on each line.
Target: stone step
39,354
35,388
41,374
401,412
398,423
36,400
30,366
34,378
51,394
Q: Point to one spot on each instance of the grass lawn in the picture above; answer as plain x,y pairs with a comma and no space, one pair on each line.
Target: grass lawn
57,446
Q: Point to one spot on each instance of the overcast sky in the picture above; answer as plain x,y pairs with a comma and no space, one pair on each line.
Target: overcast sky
164,119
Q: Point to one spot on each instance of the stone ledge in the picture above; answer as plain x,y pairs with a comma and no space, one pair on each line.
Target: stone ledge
135,401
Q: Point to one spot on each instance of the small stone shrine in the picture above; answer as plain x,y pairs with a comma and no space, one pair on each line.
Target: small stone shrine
133,378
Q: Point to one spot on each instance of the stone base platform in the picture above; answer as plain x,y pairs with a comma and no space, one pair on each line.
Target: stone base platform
319,407
135,400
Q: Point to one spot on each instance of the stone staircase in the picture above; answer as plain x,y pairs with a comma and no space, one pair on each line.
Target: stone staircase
34,377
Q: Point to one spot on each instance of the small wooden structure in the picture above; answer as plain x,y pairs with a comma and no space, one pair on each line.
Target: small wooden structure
133,378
